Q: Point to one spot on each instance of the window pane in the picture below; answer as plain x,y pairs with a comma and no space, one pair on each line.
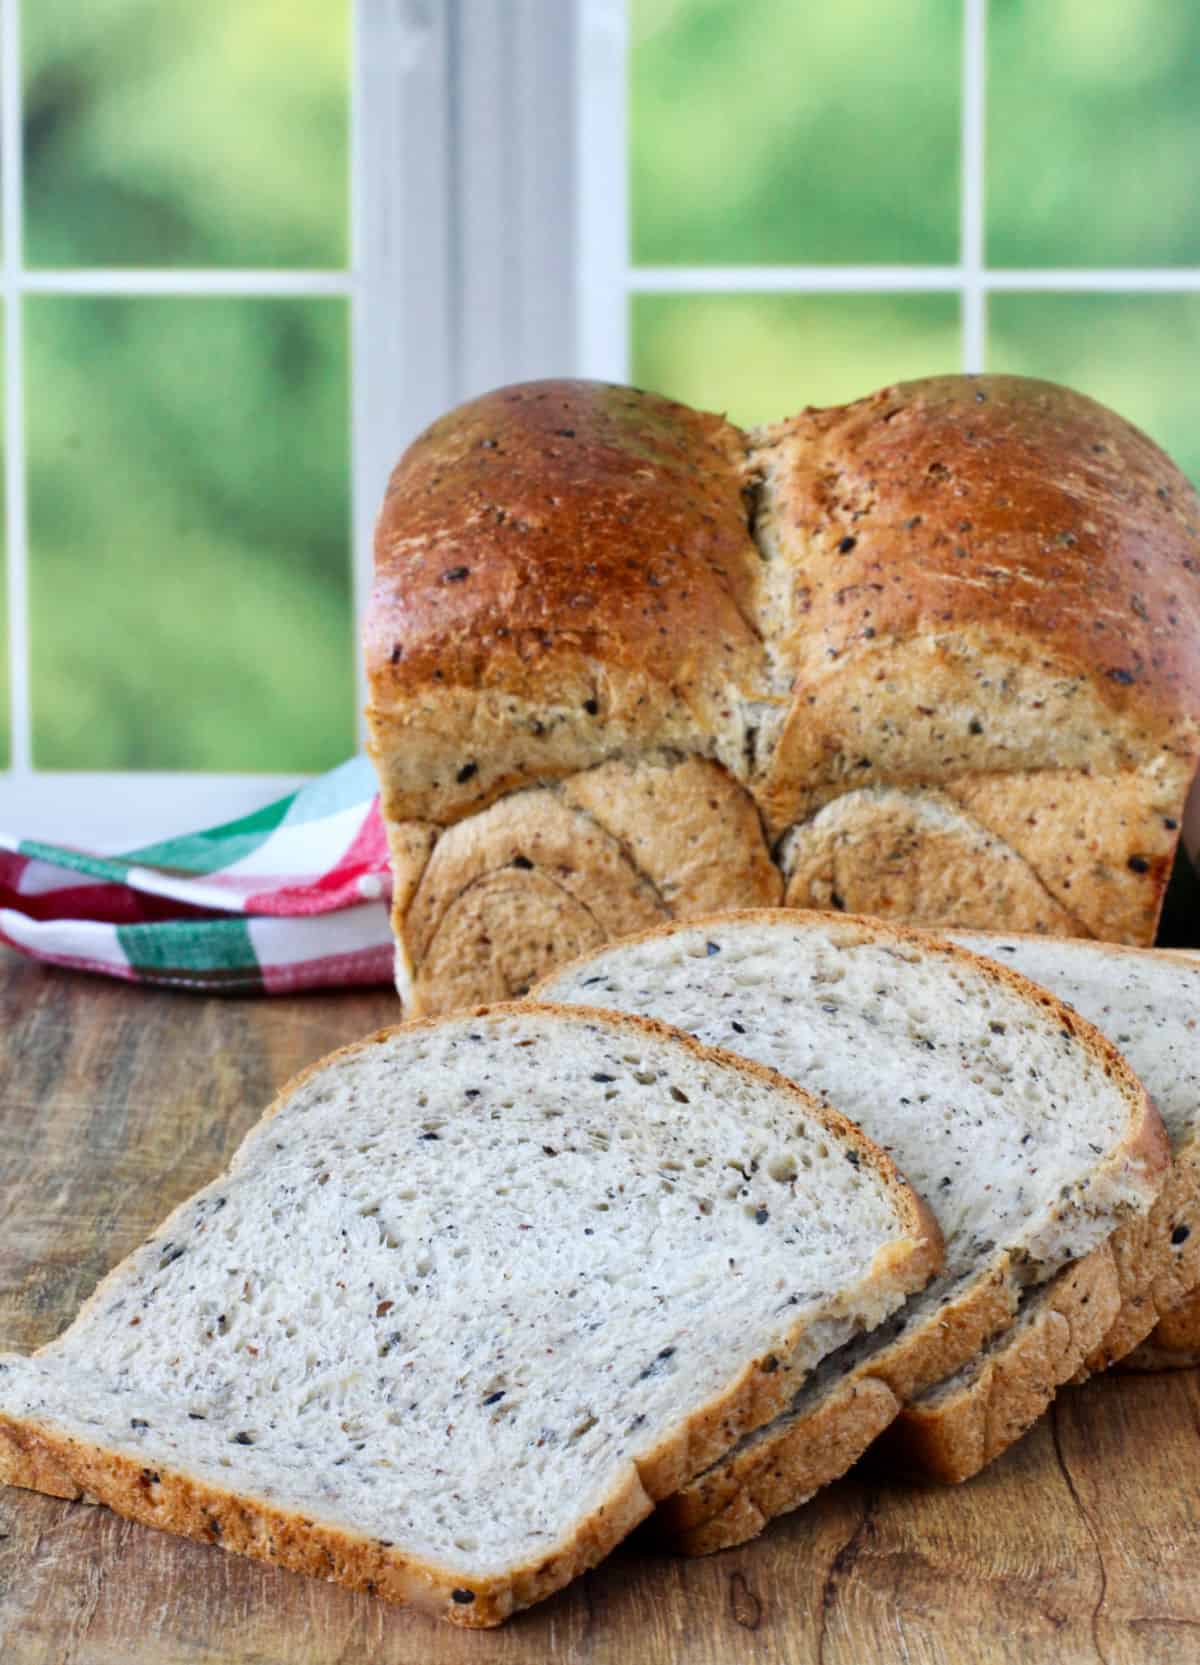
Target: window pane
168,134
761,357
189,542
1092,154
1137,353
770,131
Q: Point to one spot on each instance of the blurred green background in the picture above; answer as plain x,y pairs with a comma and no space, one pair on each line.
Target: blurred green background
189,458
770,132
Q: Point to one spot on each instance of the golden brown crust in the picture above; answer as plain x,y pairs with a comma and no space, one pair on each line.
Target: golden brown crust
732,1502
254,1526
961,503
570,559
1158,1264
1175,1343
33,1454
951,1435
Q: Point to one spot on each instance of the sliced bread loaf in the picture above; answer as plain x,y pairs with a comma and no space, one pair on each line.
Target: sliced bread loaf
1026,1130
469,1299
1148,1003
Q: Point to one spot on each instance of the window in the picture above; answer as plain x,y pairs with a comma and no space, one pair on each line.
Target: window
250,248
825,198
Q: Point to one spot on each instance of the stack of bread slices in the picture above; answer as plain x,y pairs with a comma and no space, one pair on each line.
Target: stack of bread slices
479,1294
729,1181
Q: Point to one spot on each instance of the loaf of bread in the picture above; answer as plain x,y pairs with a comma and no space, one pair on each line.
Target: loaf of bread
467,1302
933,656
1025,1130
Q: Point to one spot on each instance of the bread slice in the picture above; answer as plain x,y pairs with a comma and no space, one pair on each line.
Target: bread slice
1174,1343
469,1299
1025,1129
1148,1003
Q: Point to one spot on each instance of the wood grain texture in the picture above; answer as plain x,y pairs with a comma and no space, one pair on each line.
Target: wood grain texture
1081,1544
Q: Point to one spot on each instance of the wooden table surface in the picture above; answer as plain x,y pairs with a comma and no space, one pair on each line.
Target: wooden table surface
1082,1543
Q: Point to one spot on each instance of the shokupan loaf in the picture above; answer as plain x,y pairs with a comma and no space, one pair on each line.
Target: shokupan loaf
1148,1004
933,656
467,1302
1024,1128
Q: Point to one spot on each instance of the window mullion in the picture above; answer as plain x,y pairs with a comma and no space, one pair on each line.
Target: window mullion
403,349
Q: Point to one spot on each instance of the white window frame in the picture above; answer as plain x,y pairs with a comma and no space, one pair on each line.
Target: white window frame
607,279
461,277
490,242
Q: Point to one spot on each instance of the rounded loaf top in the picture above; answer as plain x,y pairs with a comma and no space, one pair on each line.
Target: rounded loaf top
556,529
958,574
990,505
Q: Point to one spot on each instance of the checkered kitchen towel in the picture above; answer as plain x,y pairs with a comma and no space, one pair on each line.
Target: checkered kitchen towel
294,896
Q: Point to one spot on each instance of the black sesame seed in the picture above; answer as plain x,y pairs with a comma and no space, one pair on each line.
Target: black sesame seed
494,1398
465,773
591,707
1138,864
138,1422
738,1028
565,433
1170,823
975,726
523,862
425,1136
711,948
455,575
846,544
769,1365
1180,1235
1121,676
464,1598
600,1076
243,1438
761,1216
